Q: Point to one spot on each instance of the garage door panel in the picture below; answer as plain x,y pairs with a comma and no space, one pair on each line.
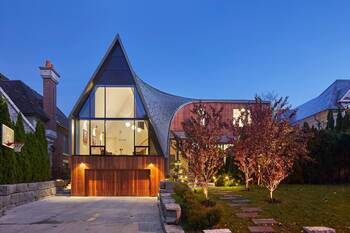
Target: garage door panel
117,182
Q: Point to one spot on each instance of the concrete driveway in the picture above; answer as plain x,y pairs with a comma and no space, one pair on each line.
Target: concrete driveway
84,214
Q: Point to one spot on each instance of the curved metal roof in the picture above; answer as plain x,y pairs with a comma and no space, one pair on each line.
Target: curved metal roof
160,107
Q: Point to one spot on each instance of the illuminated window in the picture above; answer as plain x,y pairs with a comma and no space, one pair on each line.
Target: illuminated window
239,114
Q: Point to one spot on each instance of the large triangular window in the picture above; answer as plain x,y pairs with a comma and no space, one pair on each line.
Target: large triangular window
113,120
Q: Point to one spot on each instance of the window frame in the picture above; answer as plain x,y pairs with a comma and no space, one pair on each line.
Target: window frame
105,119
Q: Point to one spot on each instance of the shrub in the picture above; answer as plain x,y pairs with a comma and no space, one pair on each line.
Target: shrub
196,214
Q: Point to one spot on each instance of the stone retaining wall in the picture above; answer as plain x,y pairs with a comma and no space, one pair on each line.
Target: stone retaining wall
17,194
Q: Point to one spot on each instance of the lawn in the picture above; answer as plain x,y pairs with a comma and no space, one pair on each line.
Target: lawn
301,205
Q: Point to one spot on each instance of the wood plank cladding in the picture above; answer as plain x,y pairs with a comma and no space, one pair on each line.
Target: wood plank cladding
117,175
117,182
185,112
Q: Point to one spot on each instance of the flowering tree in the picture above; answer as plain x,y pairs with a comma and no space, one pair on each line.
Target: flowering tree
266,144
203,132
248,142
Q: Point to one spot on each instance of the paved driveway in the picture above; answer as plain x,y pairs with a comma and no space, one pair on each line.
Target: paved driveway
84,214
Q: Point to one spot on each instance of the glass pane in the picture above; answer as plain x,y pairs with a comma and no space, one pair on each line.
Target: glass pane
140,110
141,150
82,137
141,133
97,150
120,102
97,133
85,110
153,146
120,137
98,103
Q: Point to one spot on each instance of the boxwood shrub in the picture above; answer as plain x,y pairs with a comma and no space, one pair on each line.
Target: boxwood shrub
195,215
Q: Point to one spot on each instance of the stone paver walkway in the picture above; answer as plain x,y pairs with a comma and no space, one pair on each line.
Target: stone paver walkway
265,221
247,211
260,229
62,214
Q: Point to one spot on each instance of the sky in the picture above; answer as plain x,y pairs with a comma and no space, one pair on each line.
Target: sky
202,49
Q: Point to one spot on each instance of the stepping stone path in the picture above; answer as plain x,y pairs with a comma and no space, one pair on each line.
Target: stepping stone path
240,201
250,209
260,229
247,212
264,221
217,231
247,215
238,204
230,198
318,230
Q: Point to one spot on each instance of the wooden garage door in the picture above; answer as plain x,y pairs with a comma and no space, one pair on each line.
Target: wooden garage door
117,182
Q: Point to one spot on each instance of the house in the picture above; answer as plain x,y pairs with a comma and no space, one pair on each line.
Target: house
21,99
315,111
121,130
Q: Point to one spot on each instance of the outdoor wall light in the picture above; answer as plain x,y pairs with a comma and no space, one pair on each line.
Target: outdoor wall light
82,165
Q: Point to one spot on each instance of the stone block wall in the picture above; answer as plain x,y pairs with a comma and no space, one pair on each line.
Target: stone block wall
17,194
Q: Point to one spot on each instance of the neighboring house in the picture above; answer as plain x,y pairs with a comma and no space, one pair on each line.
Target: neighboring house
34,107
121,130
315,111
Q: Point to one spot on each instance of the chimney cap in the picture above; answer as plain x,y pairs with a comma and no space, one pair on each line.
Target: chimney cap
48,64
49,67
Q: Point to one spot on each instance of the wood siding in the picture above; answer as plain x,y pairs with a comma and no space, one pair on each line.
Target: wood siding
185,112
120,176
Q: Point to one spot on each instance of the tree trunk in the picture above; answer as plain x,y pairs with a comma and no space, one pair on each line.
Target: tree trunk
246,182
205,191
271,197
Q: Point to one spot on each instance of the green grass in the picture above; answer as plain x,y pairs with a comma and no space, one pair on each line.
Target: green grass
301,205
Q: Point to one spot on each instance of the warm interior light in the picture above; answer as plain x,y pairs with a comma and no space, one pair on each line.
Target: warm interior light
133,127
127,124
226,177
82,165
139,130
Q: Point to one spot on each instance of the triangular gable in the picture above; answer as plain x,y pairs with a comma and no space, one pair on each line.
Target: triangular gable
114,64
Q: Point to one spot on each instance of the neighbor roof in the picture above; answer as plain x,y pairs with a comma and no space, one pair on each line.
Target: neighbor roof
29,102
327,100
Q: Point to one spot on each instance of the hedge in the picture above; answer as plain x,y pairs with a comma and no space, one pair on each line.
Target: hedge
329,159
32,163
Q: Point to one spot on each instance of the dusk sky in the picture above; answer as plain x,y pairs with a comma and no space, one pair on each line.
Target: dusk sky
201,49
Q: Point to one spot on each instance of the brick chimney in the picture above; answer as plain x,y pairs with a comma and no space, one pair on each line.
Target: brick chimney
50,81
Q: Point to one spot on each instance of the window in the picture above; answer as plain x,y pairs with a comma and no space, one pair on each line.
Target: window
97,141
113,121
120,102
201,113
82,137
240,113
98,103
119,137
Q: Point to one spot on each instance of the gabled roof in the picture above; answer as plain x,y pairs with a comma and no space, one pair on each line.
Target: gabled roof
327,100
29,102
